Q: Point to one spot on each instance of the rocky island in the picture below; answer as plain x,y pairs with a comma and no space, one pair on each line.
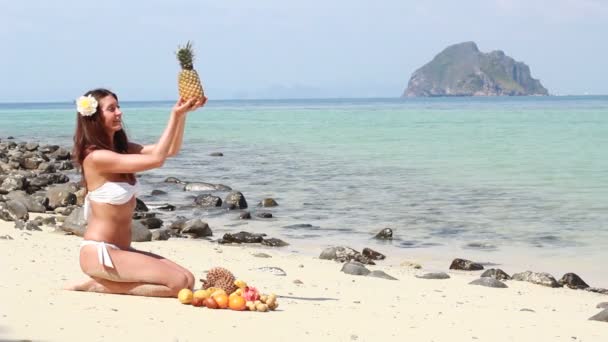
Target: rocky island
462,70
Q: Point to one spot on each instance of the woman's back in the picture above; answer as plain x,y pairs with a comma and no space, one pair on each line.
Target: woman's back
108,209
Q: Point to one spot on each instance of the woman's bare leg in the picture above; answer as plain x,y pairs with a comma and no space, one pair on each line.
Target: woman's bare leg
187,273
133,273
107,286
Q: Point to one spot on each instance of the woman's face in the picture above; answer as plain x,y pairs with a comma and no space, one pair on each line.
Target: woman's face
111,114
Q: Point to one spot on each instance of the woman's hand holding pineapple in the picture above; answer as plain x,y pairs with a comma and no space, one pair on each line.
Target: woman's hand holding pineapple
182,106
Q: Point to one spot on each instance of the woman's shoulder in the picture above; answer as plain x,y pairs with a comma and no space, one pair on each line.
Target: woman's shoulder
97,155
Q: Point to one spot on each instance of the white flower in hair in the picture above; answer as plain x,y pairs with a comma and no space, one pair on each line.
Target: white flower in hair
86,105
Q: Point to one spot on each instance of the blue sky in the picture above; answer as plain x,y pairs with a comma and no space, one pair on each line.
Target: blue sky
56,50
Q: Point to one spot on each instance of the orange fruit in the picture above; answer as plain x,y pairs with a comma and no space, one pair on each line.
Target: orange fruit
185,296
237,303
221,300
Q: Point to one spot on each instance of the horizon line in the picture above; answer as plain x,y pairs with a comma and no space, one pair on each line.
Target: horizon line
318,98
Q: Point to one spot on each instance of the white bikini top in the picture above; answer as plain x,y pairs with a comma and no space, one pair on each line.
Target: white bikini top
115,193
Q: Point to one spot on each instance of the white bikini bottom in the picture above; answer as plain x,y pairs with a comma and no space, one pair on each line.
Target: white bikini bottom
102,251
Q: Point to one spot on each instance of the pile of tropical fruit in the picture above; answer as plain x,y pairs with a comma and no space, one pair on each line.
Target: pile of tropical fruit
221,291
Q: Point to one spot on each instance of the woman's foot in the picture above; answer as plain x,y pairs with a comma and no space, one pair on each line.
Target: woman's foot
89,285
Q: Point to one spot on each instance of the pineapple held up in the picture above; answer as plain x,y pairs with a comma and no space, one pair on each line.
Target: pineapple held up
188,81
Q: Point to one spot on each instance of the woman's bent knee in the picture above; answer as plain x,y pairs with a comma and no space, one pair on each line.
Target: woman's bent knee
177,282
190,277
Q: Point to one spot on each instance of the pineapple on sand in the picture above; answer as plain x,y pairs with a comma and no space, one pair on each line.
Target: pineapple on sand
188,81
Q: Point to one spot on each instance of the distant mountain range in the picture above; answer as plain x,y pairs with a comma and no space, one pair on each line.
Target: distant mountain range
462,70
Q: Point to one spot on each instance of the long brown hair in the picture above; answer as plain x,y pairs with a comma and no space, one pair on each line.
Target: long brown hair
91,134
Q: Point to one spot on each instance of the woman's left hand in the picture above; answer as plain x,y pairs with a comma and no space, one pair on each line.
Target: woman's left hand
182,106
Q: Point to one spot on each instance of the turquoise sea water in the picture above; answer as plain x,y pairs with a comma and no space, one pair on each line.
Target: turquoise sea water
517,181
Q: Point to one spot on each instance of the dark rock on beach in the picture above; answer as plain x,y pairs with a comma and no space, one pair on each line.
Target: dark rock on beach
75,223
51,178
355,268
48,149
152,222
274,242
268,202
597,290
49,221
496,273
216,154
177,225
465,265
235,200
61,195
264,215
12,183
64,211
61,154
385,234
245,215
208,201
141,206
489,282
139,232
242,237
573,281
157,192
167,207
64,165
196,228
173,180
29,225
138,215
31,146
602,316
544,279
344,254
12,210
372,254
161,234
381,274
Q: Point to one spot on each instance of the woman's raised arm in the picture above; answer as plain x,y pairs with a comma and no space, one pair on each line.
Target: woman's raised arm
176,144
112,162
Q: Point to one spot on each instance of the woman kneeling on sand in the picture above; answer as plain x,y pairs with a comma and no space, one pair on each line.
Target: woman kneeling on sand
109,162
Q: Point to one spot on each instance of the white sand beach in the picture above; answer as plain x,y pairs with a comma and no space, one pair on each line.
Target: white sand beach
327,306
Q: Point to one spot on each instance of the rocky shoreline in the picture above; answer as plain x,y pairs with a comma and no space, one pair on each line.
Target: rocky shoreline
35,179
